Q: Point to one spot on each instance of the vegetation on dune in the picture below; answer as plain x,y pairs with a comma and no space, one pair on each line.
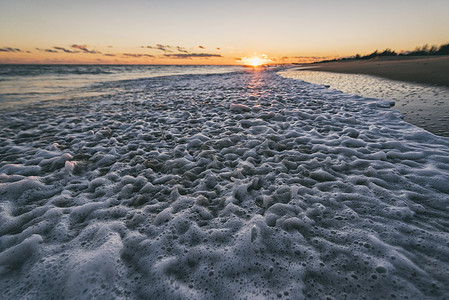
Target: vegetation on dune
425,50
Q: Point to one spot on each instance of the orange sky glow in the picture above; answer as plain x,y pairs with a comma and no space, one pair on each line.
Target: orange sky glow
201,32
144,55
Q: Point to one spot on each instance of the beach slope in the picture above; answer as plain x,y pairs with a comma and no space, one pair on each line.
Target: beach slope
427,70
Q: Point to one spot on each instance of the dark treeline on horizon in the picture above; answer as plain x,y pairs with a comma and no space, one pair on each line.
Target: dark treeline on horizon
419,51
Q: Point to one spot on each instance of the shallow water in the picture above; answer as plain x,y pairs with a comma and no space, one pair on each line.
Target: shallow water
21,85
228,186
423,105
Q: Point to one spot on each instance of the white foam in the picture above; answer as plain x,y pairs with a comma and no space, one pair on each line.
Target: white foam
243,185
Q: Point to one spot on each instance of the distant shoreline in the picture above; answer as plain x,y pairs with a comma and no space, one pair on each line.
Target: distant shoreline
427,70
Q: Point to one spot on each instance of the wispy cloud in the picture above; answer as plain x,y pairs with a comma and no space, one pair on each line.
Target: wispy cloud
137,55
191,55
109,54
47,50
65,50
168,49
9,49
181,49
311,57
84,49
163,48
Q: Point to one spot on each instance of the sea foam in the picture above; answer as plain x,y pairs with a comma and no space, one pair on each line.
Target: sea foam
230,186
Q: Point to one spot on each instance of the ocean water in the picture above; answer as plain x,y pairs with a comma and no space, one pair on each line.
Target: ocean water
423,105
25,84
242,185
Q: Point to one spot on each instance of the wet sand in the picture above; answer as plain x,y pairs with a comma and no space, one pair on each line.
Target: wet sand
427,70
419,86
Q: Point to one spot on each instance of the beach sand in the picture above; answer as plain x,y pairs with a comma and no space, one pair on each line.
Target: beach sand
418,86
427,70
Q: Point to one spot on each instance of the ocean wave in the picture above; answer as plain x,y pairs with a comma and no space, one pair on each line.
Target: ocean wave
68,80
38,70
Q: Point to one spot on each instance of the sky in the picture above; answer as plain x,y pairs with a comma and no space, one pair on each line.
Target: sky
213,32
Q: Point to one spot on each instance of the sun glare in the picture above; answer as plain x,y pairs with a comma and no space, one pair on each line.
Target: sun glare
255,61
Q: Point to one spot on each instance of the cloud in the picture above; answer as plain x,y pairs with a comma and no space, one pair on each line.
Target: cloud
84,49
171,49
108,54
181,49
65,50
47,50
310,57
163,48
137,55
9,49
191,55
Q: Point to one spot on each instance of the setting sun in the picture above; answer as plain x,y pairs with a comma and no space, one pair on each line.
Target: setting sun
255,61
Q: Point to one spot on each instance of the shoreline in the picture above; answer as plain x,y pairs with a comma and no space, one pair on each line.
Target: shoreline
423,105
416,69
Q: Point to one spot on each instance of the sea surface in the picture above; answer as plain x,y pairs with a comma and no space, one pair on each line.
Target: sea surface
232,185
25,84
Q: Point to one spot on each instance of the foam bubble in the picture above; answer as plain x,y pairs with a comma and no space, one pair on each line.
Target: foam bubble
243,185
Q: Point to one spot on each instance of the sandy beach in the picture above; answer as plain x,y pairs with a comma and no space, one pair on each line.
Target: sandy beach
427,70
